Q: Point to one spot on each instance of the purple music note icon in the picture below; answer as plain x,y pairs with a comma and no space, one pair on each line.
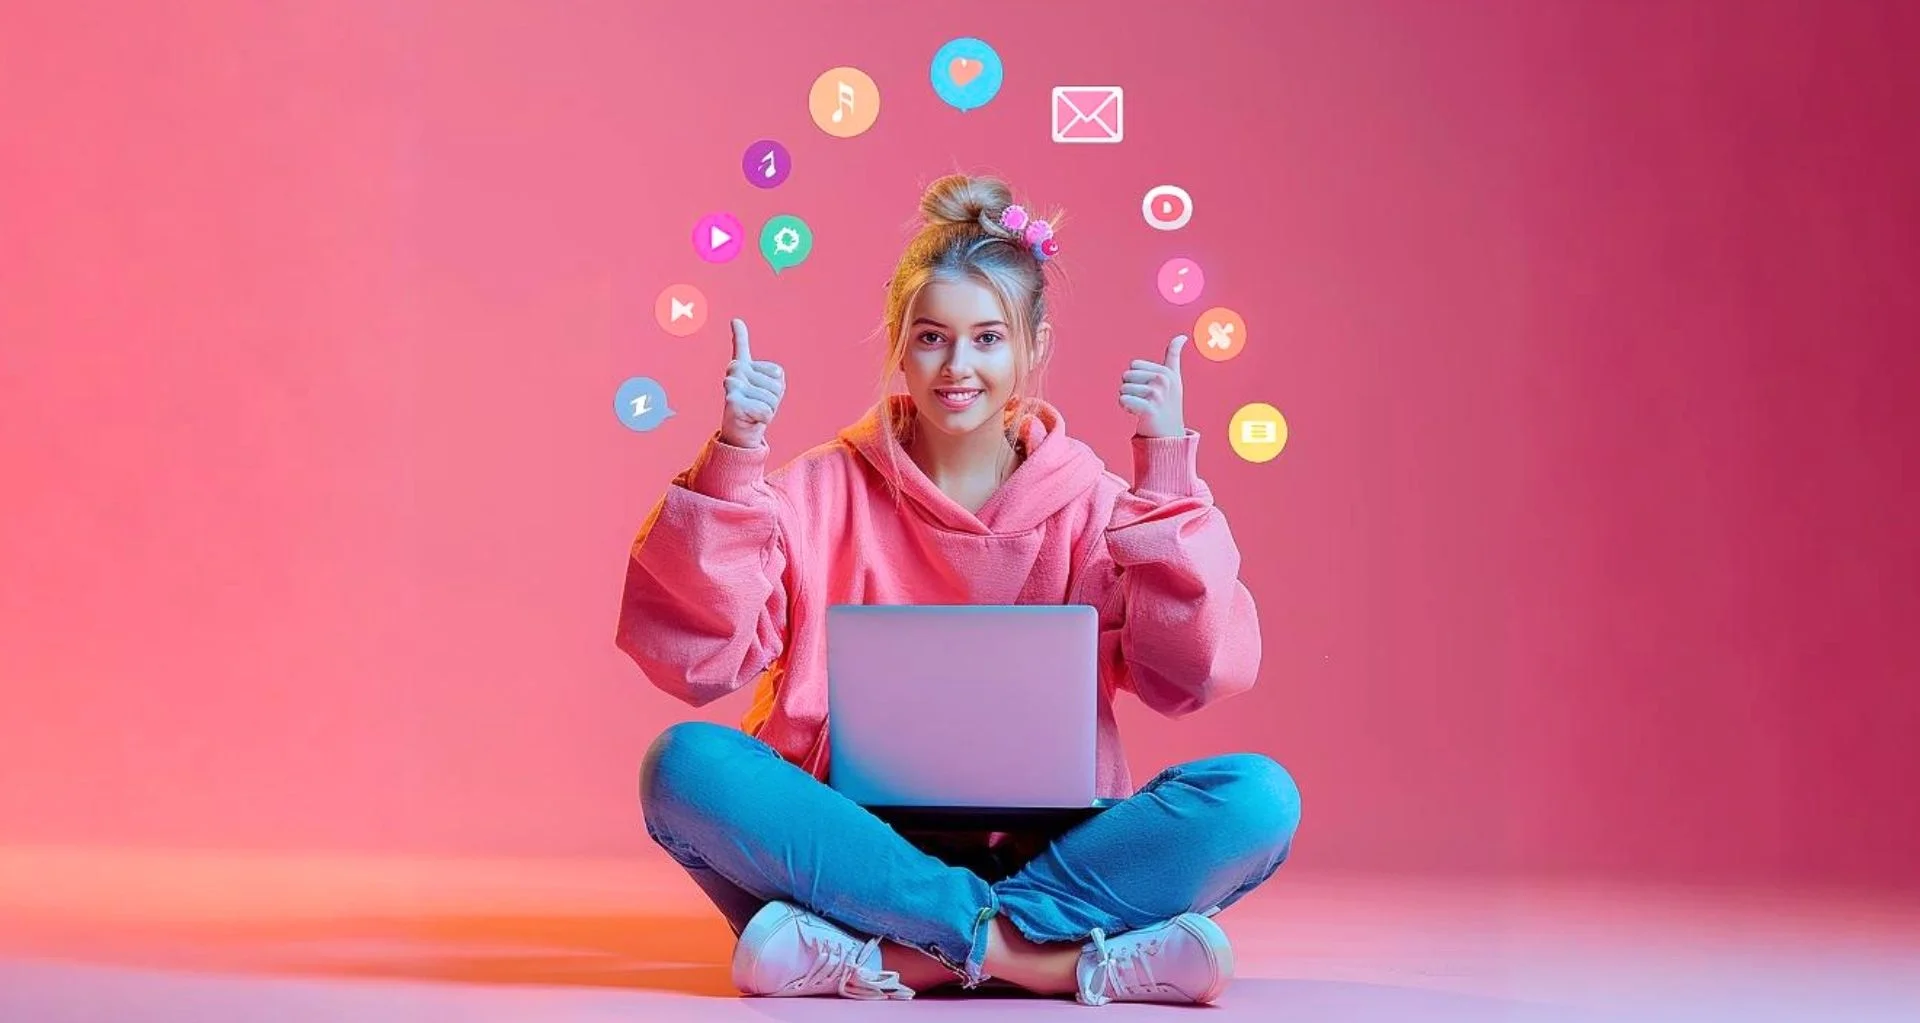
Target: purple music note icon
766,164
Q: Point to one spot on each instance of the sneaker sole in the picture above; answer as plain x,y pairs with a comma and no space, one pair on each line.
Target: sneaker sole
772,917
1219,949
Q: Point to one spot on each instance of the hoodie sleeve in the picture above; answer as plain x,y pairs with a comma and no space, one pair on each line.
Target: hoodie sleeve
1187,630
705,605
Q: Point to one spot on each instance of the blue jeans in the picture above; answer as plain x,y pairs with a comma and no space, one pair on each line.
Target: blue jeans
752,828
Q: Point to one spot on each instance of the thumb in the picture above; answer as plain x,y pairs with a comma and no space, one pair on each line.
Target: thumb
1173,352
741,353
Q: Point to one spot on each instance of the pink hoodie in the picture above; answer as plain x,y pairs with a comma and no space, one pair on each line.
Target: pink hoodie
731,575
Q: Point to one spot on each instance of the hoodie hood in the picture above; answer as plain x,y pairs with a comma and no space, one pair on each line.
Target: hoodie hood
1059,471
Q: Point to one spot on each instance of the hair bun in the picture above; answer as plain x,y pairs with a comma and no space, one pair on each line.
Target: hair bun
959,199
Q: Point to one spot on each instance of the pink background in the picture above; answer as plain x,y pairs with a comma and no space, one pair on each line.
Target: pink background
1594,323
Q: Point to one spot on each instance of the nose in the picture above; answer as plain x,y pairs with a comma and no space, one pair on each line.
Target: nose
959,357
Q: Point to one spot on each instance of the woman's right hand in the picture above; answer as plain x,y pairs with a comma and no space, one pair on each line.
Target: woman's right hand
754,390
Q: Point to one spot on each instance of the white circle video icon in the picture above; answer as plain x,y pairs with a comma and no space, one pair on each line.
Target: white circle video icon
1167,207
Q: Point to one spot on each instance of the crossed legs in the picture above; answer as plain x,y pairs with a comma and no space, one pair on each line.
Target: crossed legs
751,828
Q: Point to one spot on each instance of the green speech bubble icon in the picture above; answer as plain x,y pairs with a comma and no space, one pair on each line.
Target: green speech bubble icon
785,242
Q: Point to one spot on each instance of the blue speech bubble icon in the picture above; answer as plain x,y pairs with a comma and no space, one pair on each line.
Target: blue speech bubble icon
641,404
966,73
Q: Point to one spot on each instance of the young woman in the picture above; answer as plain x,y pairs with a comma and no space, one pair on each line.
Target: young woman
964,489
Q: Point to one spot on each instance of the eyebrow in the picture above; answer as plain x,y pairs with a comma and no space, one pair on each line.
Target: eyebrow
936,323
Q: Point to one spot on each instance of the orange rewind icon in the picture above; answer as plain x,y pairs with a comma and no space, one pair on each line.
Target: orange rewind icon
681,310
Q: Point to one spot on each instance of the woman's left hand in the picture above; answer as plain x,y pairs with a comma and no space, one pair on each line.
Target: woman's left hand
1151,391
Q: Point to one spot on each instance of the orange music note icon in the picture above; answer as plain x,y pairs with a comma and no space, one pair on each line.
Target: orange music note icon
844,102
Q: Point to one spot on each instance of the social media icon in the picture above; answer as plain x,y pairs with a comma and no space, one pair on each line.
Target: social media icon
766,164
785,242
844,102
717,237
966,73
641,404
681,309
1167,207
1088,113
1220,333
1257,432
1181,281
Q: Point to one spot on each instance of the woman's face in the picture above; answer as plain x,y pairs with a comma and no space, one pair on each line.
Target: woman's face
960,359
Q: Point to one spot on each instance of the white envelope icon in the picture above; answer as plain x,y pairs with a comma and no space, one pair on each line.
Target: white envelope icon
1087,113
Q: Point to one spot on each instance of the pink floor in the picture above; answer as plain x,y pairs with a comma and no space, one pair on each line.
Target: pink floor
125,937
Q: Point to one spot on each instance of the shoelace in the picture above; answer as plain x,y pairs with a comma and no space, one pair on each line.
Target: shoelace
837,958
1120,974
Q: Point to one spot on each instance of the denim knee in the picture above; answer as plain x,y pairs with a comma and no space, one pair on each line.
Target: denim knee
687,765
1258,798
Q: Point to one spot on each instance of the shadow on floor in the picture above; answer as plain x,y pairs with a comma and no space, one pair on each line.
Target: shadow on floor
682,954
1271,1001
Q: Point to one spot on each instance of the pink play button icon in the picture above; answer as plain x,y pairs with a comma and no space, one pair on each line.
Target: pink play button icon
717,237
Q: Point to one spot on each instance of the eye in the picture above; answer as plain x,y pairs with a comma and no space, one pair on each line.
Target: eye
931,338
988,338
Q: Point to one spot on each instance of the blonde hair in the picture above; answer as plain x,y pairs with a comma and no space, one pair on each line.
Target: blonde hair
960,239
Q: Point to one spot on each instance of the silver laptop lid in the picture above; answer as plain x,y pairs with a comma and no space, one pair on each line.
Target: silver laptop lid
963,705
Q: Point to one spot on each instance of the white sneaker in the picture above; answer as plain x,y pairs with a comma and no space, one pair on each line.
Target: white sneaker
788,952
1185,959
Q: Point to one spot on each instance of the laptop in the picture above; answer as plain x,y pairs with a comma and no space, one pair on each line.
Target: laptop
959,715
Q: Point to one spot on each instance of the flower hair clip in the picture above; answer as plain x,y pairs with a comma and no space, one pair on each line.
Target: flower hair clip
1038,234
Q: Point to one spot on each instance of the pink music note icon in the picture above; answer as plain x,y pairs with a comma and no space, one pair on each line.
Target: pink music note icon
1181,280
846,103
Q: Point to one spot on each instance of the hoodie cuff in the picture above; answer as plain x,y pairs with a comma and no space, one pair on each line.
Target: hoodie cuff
1167,465
726,472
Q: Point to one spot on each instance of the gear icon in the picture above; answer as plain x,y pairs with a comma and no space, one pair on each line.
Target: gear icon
786,241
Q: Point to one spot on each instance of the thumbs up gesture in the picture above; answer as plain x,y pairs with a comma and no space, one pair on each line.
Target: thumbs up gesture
1151,391
754,390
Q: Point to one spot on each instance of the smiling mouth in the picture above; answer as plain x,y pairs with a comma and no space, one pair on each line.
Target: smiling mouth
957,398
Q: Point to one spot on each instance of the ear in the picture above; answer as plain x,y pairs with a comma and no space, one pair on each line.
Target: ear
1042,345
